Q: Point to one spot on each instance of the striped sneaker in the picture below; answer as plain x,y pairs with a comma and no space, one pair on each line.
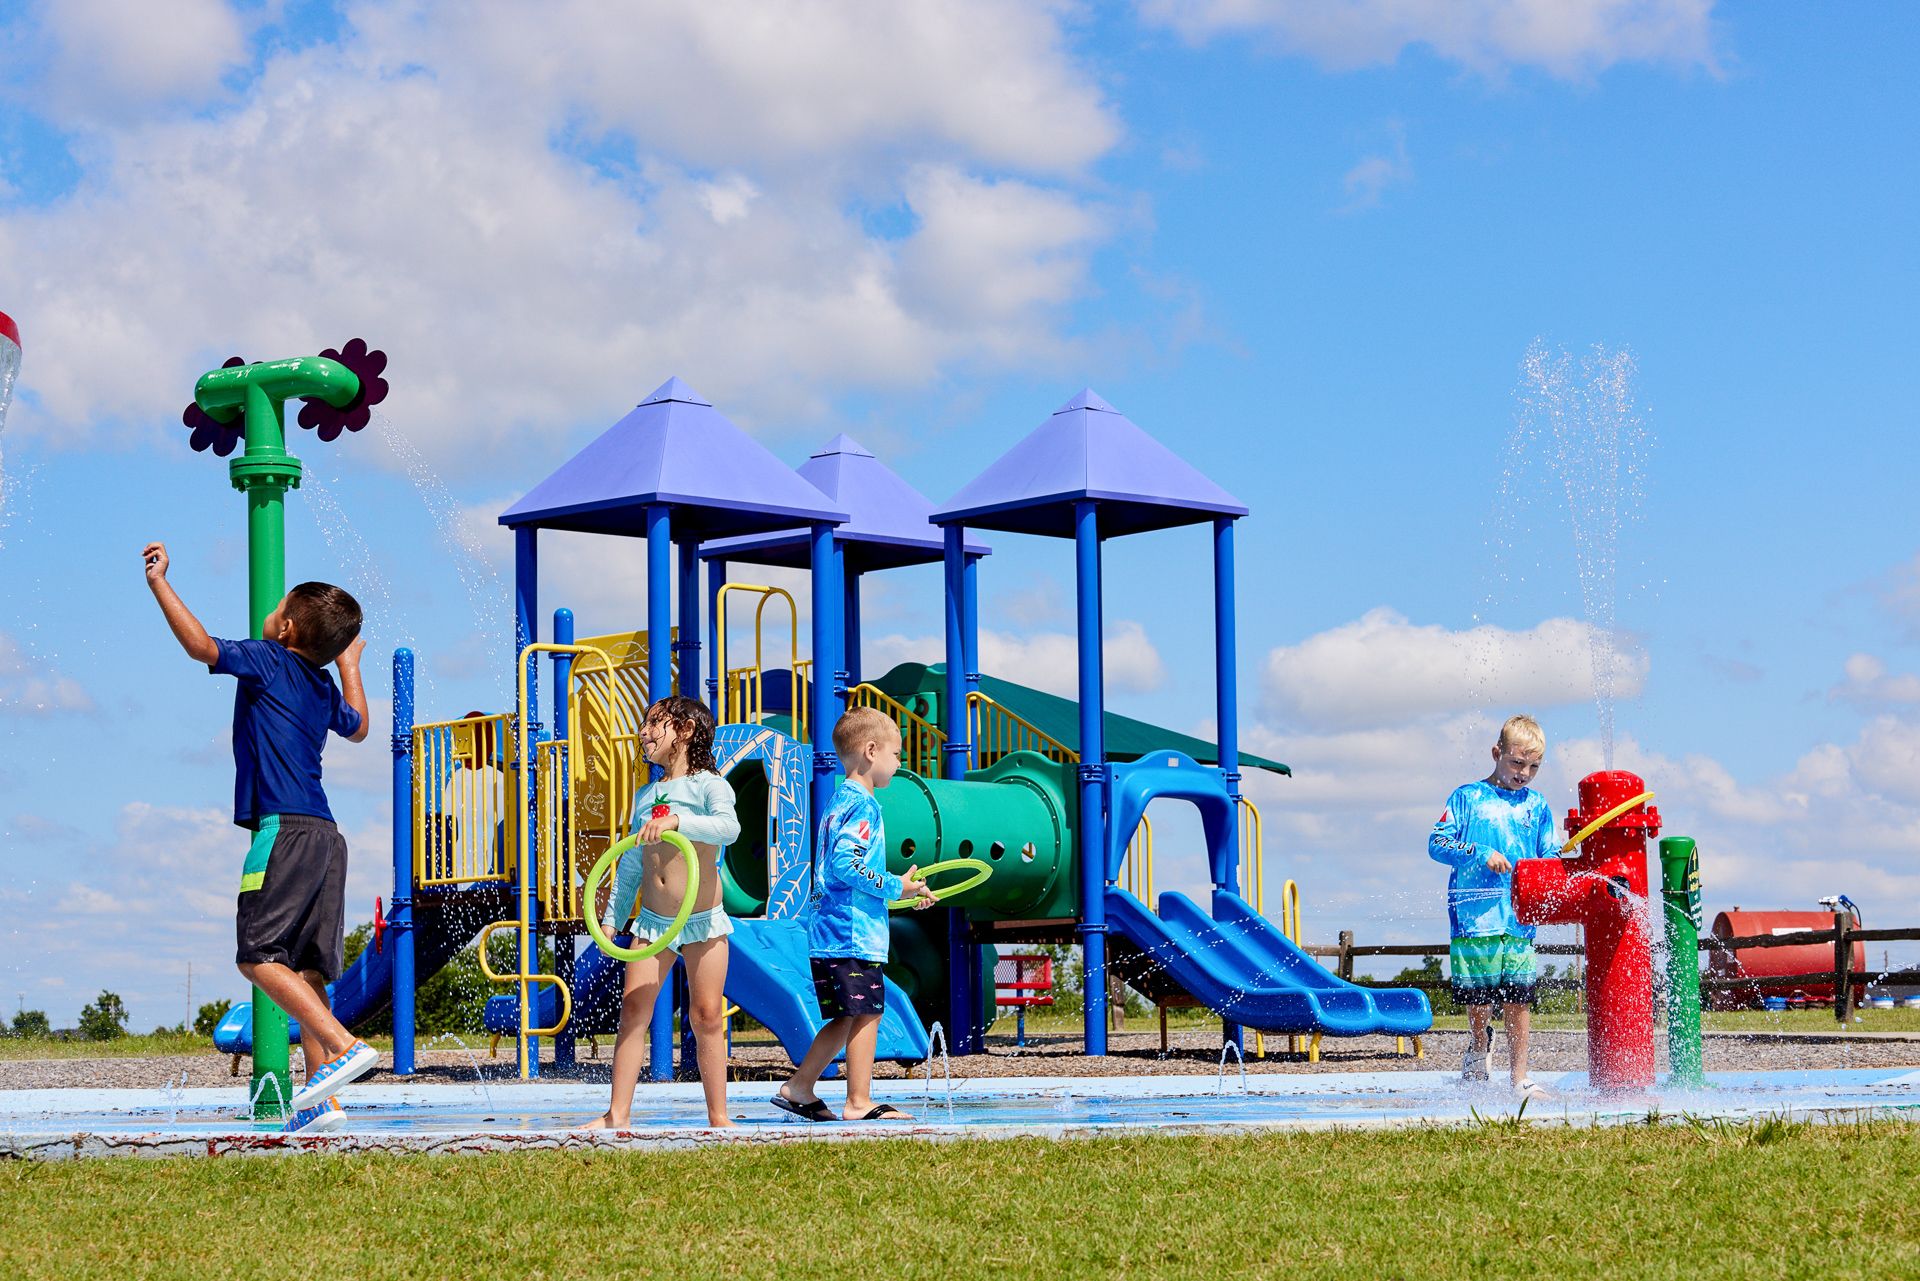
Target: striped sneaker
324,1115
336,1074
1474,1066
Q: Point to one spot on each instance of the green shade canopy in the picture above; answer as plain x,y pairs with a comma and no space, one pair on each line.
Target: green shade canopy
1059,718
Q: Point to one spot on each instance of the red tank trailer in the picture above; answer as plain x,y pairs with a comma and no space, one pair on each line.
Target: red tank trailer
1764,962
1603,886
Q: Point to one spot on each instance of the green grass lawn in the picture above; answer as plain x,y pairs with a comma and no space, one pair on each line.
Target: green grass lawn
1760,1201
144,1045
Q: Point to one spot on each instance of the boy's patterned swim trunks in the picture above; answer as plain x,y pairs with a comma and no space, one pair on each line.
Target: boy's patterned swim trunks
1495,970
847,985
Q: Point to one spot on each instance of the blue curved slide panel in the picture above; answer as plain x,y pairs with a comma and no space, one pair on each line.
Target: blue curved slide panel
767,976
1245,970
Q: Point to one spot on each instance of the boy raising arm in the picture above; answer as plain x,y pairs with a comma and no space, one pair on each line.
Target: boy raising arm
290,920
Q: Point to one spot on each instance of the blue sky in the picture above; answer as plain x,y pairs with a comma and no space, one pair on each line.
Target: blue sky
1305,245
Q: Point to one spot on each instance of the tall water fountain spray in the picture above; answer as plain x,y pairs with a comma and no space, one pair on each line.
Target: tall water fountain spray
1580,419
9,370
238,405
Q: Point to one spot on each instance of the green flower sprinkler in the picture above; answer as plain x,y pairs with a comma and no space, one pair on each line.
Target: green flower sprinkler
241,404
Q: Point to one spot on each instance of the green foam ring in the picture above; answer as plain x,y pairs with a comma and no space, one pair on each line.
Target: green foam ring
599,873
981,871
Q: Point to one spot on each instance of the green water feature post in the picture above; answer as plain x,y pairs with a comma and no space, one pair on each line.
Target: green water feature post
1680,891
241,404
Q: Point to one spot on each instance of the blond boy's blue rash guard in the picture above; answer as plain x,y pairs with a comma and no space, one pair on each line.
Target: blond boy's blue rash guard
702,802
1481,819
847,913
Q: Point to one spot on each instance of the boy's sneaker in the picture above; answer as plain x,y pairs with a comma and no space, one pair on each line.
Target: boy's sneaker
324,1115
336,1074
1475,1066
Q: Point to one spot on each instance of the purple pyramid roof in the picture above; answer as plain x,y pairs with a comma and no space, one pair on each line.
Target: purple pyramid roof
887,523
1088,449
674,448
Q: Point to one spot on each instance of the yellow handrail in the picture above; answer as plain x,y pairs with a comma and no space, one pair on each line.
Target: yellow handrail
737,684
561,855
920,738
994,730
1137,872
460,786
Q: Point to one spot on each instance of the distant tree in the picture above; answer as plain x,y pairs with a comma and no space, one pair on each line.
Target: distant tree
1430,977
32,1023
105,1019
209,1016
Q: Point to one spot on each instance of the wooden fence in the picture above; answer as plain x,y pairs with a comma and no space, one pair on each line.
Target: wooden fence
1842,976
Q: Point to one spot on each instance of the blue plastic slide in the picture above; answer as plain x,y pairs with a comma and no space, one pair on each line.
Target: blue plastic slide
767,976
1245,970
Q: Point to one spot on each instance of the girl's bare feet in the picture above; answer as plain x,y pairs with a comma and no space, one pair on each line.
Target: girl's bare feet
721,1123
605,1121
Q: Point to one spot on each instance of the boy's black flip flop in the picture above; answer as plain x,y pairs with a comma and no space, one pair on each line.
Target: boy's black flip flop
884,1112
816,1110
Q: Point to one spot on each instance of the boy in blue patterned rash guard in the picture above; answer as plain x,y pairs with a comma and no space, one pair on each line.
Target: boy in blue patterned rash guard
847,923
1485,829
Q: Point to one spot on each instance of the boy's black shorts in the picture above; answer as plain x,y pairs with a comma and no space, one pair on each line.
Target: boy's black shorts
847,985
293,895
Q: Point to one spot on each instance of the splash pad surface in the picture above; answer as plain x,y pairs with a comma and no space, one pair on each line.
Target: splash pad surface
507,1116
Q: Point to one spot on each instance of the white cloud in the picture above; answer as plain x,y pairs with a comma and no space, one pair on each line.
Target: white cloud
1375,173
118,57
1382,670
405,186
1047,661
30,687
1867,683
1569,38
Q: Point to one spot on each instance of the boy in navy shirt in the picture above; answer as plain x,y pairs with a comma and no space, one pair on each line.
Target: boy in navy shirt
847,923
1485,829
292,890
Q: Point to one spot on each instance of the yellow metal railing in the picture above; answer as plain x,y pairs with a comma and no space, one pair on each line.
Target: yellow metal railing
1136,874
921,740
742,689
462,779
545,795
995,730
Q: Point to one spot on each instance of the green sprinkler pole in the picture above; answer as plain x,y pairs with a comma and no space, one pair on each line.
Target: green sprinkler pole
1680,890
264,473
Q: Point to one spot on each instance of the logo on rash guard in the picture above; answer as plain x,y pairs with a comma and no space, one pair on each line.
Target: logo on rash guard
1446,815
863,831
662,809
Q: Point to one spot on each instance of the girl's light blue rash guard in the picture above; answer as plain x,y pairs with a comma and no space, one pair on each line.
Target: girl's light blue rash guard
1481,819
847,913
703,803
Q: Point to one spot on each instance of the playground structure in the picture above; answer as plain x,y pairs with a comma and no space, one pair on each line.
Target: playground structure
1052,794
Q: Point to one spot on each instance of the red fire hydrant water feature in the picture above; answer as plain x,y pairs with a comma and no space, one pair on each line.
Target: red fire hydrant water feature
1603,886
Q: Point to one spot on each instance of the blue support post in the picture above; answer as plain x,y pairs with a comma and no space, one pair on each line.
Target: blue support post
953,702
826,662
659,685
1093,818
716,579
1227,714
850,629
400,913
963,959
687,648
564,1040
526,631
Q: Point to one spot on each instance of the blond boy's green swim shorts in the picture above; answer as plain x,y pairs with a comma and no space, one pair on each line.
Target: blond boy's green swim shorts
1495,970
